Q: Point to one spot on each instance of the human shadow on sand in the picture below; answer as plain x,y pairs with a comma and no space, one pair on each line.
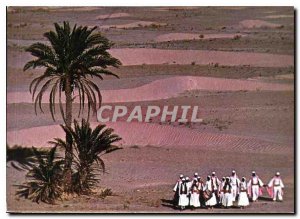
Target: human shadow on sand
168,203
265,198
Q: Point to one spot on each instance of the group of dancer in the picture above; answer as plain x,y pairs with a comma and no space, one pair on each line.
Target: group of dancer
196,193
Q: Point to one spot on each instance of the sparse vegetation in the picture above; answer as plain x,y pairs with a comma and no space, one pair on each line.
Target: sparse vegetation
105,192
44,178
237,37
217,123
87,58
281,26
89,145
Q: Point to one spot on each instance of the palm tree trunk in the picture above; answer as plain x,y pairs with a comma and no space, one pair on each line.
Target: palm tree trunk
69,150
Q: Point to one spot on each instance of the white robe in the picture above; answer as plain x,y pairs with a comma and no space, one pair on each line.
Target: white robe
221,190
254,185
276,185
243,196
176,190
234,181
216,183
227,199
183,198
212,201
177,185
194,199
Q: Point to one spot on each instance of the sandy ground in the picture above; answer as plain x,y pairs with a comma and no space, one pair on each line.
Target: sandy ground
255,135
244,89
258,24
110,16
133,25
141,56
193,36
166,88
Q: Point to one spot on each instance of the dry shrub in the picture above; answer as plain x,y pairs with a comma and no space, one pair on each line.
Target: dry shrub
237,37
105,192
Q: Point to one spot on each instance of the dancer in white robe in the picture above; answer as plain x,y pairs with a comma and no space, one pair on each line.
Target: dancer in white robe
275,188
235,181
188,182
255,187
188,185
221,195
176,190
183,194
201,185
216,185
243,196
210,203
194,194
227,199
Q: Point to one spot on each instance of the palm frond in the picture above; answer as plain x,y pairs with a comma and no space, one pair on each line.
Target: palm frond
89,145
43,179
75,53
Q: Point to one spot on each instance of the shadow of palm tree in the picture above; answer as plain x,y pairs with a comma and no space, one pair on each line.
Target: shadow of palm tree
21,158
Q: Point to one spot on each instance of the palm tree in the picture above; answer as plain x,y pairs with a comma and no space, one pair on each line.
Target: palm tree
89,145
74,56
43,178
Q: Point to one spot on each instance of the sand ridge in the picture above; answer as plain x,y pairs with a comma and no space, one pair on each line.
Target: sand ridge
194,36
131,25
141,56
280,16
148,56
166,88
145,134
110,16
258,24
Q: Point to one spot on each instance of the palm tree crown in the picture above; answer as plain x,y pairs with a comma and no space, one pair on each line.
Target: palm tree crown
74,55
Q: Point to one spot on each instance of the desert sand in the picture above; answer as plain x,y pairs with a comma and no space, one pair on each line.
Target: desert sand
133,25
167,88
258,24
193,36
244,89
141,56
111,16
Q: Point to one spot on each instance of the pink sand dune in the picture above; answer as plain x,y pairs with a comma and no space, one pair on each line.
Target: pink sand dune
114,15
193,36
148,56
167,88
132,25
258,24
145,134
280,16
75,8
139,56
